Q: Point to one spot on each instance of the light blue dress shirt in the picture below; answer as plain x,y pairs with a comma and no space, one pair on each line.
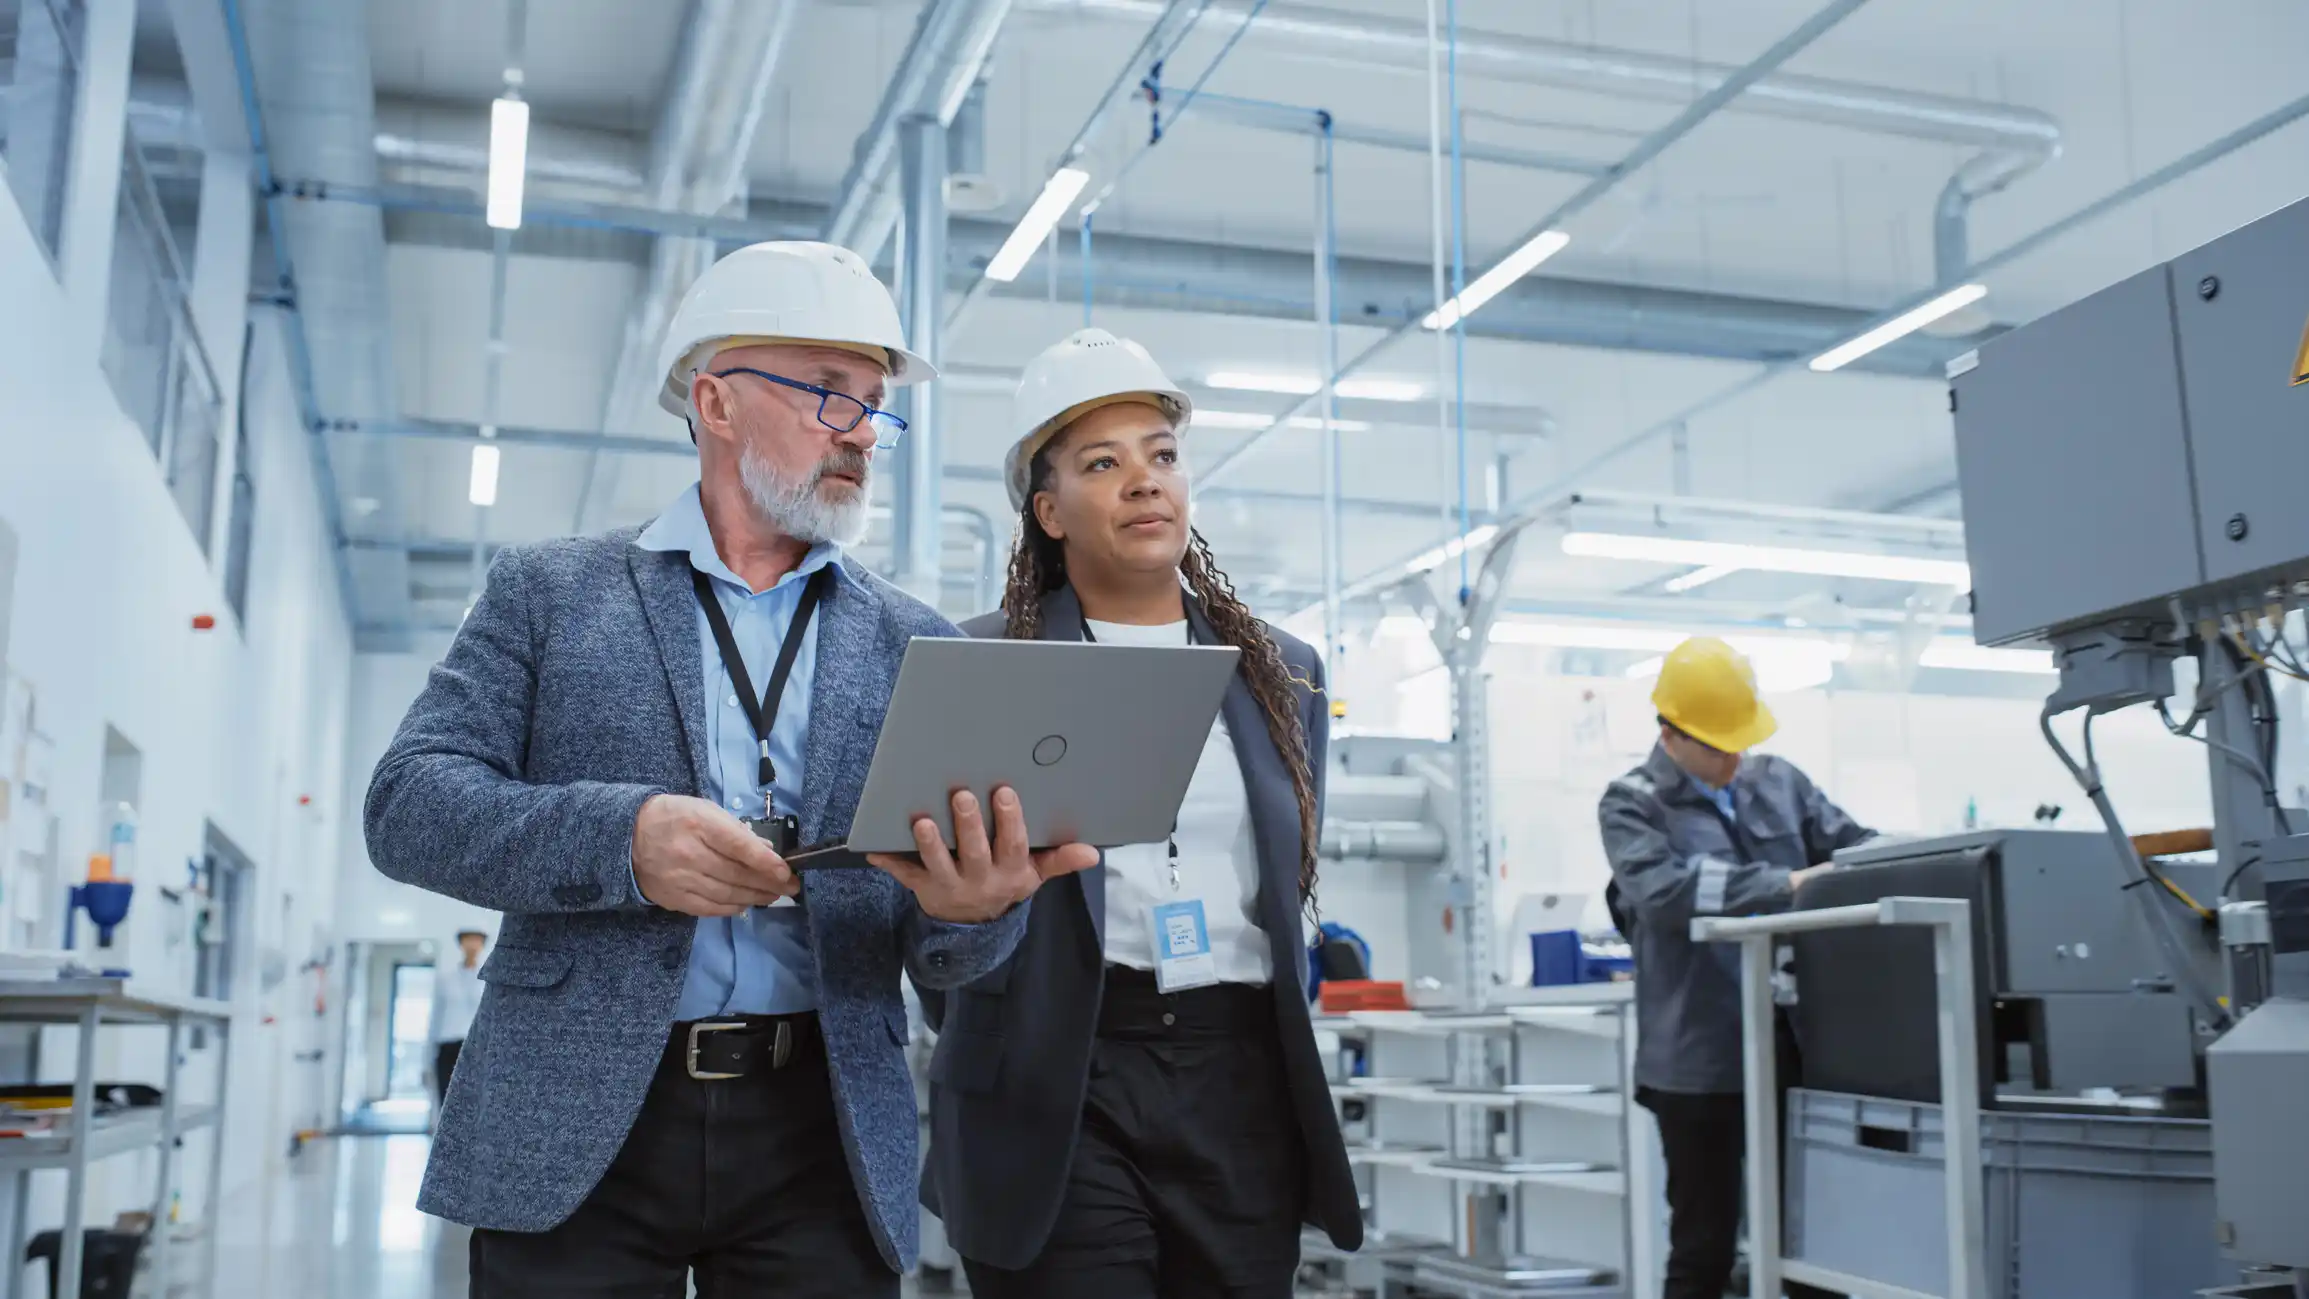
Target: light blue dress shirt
758,963
1722,798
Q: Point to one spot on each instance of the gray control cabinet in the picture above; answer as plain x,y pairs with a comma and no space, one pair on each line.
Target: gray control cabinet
2145,444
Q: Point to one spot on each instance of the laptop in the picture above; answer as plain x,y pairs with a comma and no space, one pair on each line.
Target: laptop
1100,741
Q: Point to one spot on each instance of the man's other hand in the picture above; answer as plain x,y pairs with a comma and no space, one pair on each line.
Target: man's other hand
691,856
980,879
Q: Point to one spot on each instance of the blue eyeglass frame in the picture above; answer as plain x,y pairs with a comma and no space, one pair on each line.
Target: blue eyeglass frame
888,428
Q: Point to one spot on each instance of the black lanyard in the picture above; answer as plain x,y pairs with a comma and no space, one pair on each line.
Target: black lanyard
763,714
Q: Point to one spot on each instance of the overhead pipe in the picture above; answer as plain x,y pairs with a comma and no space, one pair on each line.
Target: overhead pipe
307,61
1279,117
921,291
1183,275
729,55
943,61
579,440
1365,40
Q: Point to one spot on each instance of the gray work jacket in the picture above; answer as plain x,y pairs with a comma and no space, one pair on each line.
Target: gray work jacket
1674,856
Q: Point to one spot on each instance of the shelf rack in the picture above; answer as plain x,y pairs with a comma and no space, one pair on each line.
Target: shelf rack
90,1004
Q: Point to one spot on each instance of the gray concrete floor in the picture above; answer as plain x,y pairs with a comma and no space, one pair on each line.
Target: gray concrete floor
344,1225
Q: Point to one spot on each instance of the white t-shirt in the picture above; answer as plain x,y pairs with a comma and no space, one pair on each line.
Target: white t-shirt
1218,861
456,1000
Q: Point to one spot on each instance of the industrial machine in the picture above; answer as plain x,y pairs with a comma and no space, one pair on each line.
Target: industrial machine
2133,470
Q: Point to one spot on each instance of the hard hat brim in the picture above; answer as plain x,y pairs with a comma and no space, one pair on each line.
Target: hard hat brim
1761,727
905,368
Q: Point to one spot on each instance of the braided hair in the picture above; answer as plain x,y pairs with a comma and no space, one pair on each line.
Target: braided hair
1038,566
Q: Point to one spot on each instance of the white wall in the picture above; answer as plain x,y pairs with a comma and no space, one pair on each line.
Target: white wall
242,727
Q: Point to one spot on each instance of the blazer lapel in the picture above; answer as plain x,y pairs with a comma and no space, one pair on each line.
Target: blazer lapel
849,623
669,603
1274,808
1062,621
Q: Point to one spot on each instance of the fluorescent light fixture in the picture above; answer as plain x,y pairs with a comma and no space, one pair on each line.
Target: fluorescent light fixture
1700,577
481,489
508,161
1775,559
1899,327
1307,385
1380,389
1523,261
1452,549
1058,194
1643,669
1964,656
1252,420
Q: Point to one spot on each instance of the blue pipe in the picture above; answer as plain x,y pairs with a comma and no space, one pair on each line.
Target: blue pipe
300,353
1087,279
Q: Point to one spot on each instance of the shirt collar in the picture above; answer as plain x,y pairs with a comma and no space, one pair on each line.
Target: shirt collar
682,529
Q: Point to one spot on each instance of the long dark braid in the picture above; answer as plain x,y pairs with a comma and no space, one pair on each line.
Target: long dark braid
1038,567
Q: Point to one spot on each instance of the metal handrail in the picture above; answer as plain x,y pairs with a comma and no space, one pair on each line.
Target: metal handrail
1950,920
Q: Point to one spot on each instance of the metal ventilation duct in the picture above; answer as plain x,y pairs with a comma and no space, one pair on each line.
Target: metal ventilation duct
316,93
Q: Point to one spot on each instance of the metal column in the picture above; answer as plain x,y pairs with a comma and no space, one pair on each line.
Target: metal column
72,1248
1327,329
915,537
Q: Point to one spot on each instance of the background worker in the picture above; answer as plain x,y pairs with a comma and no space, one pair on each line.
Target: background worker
1705,828
677,1072
456,999
1113,1116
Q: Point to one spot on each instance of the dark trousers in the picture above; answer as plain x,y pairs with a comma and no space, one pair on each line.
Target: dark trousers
742,1182
1704,1141
1189,1178
444,1064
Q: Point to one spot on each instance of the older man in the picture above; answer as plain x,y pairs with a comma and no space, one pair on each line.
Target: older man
688,1061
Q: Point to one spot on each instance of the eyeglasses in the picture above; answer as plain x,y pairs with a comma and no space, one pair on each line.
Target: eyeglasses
836,410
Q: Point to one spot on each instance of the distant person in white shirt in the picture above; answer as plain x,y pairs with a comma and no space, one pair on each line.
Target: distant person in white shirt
456,998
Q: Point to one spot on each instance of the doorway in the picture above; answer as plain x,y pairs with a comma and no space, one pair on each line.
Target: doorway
388,1037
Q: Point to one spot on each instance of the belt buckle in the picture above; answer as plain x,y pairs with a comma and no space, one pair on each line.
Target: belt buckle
697,1031
781,1048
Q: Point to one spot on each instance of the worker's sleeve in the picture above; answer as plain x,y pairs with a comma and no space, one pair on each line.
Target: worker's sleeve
1665,888
448,810
1827,828
941,955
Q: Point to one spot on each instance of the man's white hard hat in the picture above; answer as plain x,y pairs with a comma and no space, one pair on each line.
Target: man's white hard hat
794,292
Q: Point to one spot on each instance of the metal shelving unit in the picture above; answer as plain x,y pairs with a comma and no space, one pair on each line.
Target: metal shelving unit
90,1004
1547,1107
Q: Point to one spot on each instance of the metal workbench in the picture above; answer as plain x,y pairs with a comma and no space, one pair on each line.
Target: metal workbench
89,1004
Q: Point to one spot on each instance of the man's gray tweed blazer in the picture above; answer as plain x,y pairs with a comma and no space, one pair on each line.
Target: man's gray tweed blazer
571,695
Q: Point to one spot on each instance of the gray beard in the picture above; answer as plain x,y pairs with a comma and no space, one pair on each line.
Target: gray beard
794,507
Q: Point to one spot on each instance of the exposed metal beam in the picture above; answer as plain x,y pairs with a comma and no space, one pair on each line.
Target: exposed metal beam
1387,575
1649,148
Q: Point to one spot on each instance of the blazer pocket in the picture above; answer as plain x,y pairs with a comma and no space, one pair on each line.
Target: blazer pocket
525,967
967,1062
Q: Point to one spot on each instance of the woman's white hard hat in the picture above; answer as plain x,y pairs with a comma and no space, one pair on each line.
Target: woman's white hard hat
795,292
1085,370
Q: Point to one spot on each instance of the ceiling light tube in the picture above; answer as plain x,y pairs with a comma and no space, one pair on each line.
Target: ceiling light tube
1523,261
1899,327
1964,656
1058,194
481,487
1699,577
1451,549
508,161
1243,419
1774,559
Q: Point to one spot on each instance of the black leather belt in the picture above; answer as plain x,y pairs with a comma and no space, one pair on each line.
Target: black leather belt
716,1050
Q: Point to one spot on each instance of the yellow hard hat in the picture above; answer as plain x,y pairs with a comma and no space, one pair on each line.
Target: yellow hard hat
1707,690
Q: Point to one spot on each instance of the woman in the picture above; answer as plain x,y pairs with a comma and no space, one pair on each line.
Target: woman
1105,1124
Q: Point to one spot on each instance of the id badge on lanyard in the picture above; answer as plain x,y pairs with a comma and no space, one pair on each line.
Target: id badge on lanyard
1182,947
